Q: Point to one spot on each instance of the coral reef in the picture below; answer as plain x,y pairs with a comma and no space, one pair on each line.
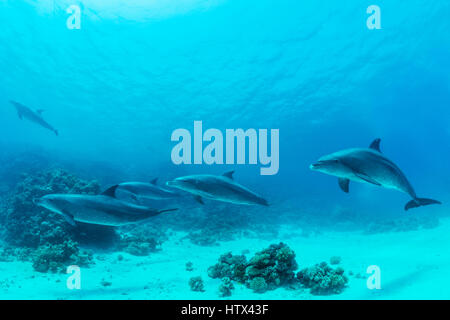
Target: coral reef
226,288
268,269
322,279
210,225
275,265
229,266
30,226
189,266
139,244
56,258
43,236
258,284
335,260
196,284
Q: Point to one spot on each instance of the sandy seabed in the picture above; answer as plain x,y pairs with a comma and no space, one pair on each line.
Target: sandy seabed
413,266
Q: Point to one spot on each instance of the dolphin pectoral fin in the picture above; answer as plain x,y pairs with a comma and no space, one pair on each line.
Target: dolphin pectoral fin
344,184
367,179
418,202
154,181
110,192
199,199
229,174
69,218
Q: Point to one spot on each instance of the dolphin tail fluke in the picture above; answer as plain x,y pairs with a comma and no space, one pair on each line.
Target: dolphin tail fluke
418,202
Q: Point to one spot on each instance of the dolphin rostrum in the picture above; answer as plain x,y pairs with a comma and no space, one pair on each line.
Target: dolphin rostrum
221,188
33,116
102,209
146,190
368,165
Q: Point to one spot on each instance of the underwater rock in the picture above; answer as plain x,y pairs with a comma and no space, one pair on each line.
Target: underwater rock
46,238
229,266
322,279
27,225
335,260
226,288
258,284
140,242
56,258
189,266
276,265
268,269
196,284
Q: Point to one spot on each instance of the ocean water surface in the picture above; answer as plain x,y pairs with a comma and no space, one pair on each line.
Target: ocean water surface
116,87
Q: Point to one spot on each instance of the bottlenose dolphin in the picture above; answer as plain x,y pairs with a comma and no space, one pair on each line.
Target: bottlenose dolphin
33,116
221,188
101,209
368,165
145,190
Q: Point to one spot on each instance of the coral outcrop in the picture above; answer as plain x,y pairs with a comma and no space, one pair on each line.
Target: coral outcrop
196,284
226,288
268,269
229,266
322,279
48,240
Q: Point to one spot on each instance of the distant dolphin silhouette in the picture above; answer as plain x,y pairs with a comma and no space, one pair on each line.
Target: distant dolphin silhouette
36,117
368,165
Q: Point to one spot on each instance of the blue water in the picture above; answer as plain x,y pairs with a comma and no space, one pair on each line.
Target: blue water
118,87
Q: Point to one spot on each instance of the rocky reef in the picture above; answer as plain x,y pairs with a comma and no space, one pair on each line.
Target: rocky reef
229,266
226,288
196,284
268,269
56,257
322,279
45,237
275,267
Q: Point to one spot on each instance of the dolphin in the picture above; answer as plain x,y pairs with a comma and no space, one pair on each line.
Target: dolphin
102,209
147,190
221,188
33,116
368,165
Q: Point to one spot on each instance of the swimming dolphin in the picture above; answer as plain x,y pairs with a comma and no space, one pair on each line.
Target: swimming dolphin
33,116
145,190
221,188
101,209
368,165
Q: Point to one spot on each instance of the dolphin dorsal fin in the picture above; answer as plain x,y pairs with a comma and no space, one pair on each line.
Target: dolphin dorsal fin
229,174
375,145
110,192
154,181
